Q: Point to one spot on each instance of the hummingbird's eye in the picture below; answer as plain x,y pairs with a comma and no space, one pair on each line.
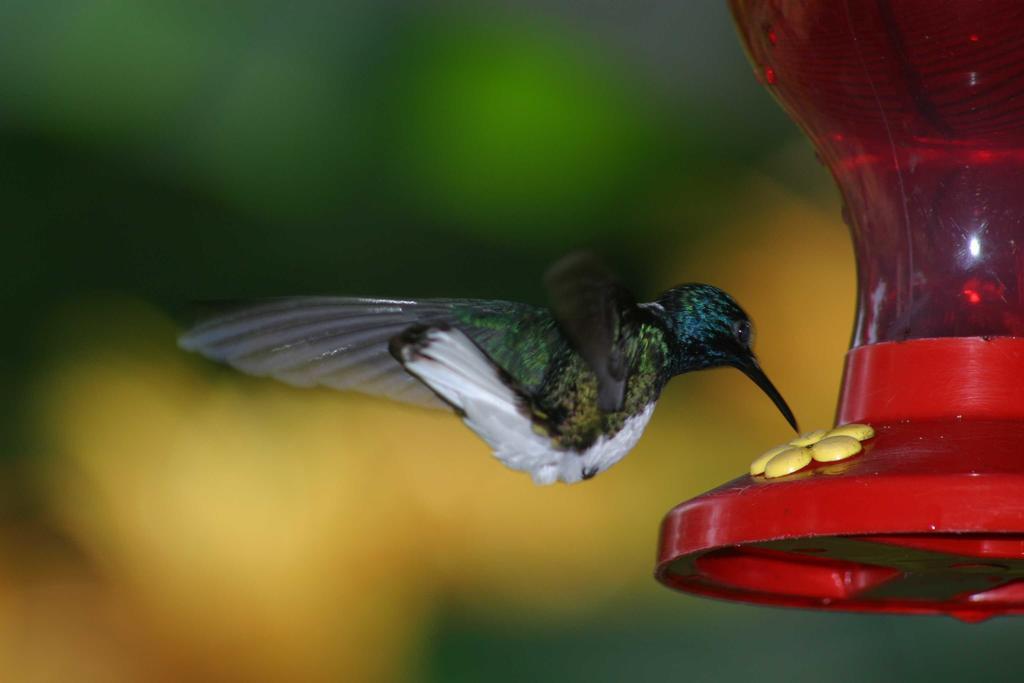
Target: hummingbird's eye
744,332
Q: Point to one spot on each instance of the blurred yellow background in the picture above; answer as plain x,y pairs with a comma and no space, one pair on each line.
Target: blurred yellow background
165,519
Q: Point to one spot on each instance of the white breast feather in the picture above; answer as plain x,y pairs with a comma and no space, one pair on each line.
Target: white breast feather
453,366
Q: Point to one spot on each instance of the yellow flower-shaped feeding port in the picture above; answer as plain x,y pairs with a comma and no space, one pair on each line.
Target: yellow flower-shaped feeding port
820,445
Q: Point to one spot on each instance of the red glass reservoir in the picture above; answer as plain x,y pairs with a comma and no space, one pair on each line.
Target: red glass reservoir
917,109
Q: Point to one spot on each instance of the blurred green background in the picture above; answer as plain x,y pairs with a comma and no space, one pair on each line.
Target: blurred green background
164,519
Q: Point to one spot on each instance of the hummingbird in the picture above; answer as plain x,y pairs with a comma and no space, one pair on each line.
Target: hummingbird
562,393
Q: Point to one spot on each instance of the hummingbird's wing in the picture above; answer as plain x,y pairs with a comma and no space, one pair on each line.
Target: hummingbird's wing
502,411
589,303
335,342
342,343
488,399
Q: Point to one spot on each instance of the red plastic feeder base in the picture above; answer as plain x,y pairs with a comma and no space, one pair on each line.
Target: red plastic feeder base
928,519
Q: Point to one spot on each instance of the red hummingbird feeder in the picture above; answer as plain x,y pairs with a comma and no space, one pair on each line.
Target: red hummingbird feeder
917,109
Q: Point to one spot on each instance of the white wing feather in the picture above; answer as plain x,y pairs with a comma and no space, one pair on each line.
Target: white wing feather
450,363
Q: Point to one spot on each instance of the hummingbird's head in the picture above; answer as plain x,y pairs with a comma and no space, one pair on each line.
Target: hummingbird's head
709,329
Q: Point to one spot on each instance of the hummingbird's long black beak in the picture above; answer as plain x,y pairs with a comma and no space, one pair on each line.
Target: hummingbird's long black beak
752,369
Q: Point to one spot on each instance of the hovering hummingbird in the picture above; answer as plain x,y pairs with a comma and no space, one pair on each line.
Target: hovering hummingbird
562,394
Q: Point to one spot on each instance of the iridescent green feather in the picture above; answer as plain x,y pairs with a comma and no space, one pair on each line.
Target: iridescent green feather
569,396
521,339
525,341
